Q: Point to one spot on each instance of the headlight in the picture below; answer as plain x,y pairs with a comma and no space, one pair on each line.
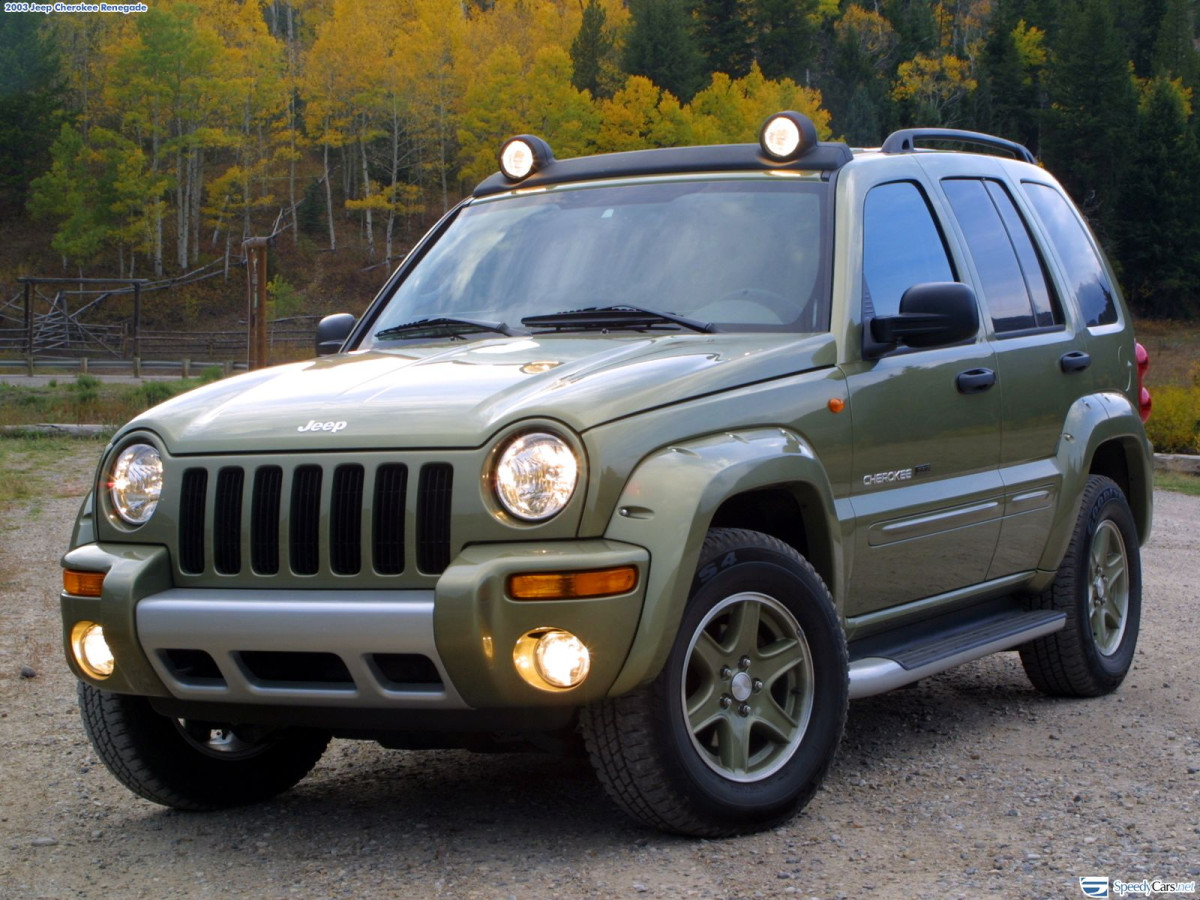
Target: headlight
135,483
535,476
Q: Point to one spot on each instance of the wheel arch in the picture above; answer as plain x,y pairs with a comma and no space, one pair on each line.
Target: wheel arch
677,493
1102,435
1124,461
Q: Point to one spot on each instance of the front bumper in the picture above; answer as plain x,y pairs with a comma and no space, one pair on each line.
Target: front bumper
450,648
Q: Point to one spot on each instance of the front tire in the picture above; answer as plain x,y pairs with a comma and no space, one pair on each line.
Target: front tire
738,730
191,765
1099,587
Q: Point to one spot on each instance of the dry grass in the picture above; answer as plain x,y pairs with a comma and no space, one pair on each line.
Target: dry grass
1174,349
37,467
87,400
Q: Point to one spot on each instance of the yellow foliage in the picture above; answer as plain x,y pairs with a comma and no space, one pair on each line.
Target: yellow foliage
1174,425
730,111
871,34
1031,45
933,82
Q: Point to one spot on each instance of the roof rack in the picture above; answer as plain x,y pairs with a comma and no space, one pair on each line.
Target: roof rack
824,157
905,141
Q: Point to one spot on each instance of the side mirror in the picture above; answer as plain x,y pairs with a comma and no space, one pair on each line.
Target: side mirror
936,314
332,332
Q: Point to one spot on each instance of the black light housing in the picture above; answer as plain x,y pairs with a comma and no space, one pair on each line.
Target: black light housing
787,135
523,155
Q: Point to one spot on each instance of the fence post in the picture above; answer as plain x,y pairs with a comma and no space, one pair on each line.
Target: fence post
137,320
29,326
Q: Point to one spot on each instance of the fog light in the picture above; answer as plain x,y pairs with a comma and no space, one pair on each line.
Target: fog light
91,649
552,659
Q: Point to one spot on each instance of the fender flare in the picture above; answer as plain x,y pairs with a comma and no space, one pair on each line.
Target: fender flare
670,499
1091,422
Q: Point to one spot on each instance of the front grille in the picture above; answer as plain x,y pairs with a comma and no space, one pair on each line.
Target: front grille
342,519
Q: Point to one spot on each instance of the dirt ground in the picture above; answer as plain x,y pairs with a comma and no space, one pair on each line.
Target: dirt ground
969,784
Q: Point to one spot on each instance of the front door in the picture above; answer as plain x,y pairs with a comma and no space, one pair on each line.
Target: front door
926,492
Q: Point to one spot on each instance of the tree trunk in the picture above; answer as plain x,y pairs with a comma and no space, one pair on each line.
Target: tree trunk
329,202
291,50
367,196
181,211
197,193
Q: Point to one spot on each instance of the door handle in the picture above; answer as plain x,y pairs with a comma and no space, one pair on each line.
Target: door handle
974,381
1075,361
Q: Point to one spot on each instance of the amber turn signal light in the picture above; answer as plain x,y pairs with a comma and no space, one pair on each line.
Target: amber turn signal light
83,584
571,585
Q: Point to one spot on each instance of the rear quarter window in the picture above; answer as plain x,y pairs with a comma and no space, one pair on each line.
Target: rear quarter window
1087,279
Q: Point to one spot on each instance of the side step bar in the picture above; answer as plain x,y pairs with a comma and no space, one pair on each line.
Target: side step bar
911,657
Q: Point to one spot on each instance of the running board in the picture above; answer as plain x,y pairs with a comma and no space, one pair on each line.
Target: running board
886,669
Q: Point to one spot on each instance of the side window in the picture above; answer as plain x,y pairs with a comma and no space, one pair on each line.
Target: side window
902,246
1013,279
1088,280
1046,308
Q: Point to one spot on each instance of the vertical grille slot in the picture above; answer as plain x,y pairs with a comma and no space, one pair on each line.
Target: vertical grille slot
264,520
191,520
434,493
345,520
227,521
387,526
306,520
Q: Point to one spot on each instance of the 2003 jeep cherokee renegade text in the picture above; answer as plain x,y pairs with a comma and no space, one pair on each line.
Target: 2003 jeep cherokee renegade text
677,450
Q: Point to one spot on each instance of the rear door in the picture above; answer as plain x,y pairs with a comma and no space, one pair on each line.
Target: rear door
1042,363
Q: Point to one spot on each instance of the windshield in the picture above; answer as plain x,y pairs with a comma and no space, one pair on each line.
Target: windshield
741,255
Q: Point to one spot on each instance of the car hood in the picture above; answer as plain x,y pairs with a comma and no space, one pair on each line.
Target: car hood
457,394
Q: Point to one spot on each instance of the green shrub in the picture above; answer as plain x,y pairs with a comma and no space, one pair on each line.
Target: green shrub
85,392
210,374
152,393
1174,425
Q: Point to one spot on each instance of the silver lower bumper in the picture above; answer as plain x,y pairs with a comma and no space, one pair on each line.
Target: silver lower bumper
236,628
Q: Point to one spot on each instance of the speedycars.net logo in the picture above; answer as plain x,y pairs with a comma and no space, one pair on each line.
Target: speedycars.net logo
1099,886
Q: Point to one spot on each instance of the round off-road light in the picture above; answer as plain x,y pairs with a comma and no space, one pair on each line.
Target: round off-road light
523,155
787,135
135,483
552,659
91,650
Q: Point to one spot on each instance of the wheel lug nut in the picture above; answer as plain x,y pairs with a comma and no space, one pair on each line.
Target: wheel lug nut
744,709
757,685
726,701
726,672
744,663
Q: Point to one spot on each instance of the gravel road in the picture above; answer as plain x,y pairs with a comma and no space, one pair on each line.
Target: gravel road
969,784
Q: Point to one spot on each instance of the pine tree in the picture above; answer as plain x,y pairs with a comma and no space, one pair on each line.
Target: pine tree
592,54
1093,107
1160,219
785,33
661,46
724,35
1175,53
1004,100
31,106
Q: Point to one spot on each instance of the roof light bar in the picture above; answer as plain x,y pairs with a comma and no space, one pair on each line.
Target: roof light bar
523,155
787,135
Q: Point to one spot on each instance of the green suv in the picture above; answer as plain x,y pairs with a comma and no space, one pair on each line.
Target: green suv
674,451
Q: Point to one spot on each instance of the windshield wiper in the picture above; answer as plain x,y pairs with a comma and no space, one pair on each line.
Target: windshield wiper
621,316
447,326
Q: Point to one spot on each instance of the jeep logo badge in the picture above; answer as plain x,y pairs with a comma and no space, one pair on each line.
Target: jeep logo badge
314,425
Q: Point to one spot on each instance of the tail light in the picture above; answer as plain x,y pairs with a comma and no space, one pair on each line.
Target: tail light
1144,401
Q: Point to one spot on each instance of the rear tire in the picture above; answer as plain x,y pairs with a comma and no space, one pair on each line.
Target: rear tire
1099,587
192,765
738,730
